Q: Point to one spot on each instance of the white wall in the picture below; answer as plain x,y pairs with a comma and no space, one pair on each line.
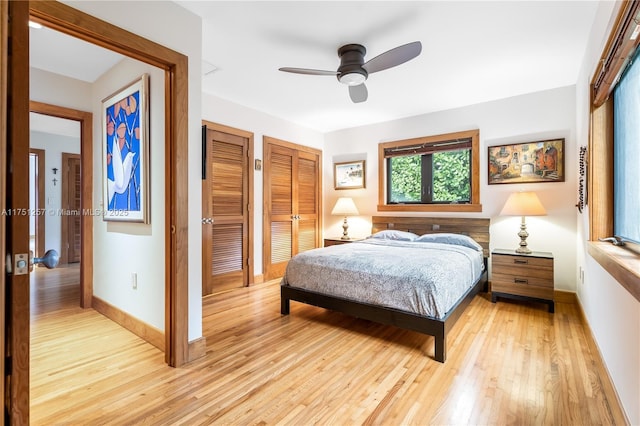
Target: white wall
54,146
261,124
58,90
612,313
537,116
121,248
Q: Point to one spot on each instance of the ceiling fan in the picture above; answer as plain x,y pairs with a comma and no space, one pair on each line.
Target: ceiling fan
353,70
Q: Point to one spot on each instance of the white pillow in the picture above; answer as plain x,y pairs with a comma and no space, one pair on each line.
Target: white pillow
390,234
446,238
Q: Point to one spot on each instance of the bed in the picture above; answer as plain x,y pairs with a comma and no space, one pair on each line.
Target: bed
357,280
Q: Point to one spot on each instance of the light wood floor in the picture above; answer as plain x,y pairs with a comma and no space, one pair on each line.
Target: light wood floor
508,363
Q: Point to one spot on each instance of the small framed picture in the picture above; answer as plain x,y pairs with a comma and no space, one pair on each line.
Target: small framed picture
349,175
529,162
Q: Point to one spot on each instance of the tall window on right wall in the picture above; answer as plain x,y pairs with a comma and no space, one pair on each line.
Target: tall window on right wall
614,152
626,154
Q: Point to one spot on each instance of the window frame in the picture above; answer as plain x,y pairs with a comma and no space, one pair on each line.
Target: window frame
623,263
474,204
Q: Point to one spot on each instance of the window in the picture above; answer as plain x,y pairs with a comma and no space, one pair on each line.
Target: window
435,173
621,263
429,177
626,154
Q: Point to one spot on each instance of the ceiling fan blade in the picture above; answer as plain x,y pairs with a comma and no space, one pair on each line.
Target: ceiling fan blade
393,57
308,71
358,93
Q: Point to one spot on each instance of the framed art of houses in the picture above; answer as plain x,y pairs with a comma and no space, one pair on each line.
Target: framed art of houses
125,150
529,162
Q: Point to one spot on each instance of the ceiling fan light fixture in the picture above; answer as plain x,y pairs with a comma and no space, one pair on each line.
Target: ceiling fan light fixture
353,70
352,78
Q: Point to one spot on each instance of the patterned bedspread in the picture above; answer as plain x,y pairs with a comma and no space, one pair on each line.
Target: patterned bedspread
419,277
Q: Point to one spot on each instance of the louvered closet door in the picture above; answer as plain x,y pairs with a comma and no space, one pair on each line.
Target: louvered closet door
292,191
280,186
225,192
307,202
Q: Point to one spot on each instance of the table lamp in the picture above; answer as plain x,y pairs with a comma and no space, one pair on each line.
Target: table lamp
345,207
523,204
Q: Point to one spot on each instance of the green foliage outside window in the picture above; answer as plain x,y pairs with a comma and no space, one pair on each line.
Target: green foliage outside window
451,177
405,179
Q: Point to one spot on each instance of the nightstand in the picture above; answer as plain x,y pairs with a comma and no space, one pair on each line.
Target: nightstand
335,241
522,276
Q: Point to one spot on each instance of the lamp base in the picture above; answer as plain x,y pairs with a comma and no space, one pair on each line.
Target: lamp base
523,234
345,227
523,250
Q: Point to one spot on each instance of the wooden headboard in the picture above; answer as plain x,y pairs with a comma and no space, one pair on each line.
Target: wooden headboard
476,228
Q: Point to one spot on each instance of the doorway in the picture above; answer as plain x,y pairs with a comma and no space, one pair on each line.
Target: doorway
77,24
55,205
49,138
82,123
14,105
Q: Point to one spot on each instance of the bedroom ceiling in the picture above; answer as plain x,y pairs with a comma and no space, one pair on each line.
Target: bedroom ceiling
472,52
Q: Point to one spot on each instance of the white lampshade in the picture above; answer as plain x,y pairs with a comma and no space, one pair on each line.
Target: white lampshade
523,204
345,207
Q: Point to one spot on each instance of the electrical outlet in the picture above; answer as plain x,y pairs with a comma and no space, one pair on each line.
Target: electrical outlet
581,275
134,280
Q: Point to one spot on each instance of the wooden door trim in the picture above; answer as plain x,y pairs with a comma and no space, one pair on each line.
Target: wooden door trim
85,119
40,222
73,22
291,145
4,62
67,180
18,302
250,153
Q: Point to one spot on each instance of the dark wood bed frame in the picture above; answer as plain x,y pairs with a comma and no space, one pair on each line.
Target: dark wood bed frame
478,229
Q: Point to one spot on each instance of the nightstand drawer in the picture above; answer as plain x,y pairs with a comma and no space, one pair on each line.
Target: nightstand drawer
521,262
540,274
521,289
541,279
